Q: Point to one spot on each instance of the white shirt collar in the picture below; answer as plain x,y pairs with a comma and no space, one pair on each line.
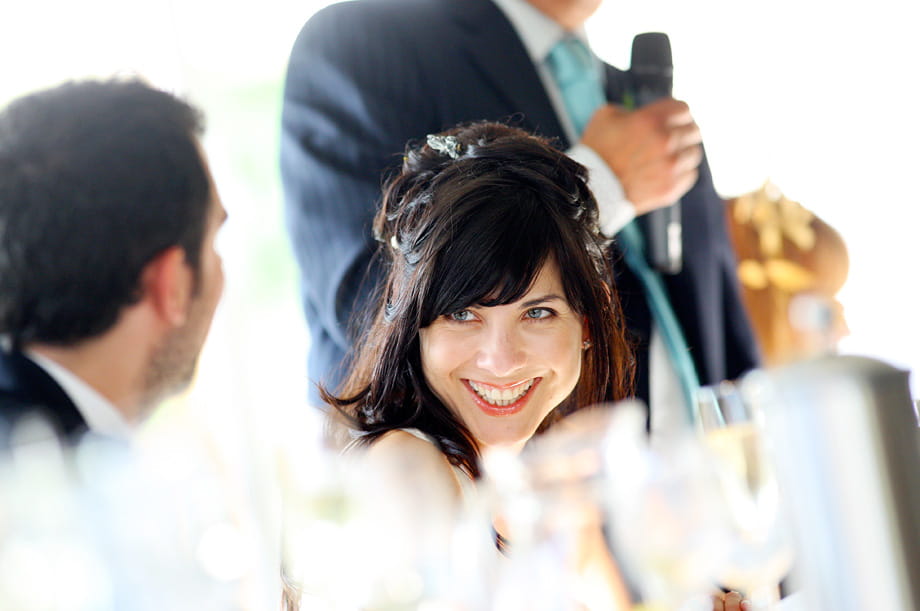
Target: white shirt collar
100,415
538,32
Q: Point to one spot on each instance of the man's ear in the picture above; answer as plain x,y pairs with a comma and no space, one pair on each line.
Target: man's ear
167,282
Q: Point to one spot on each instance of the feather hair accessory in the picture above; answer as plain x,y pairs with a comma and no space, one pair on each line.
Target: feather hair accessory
446,145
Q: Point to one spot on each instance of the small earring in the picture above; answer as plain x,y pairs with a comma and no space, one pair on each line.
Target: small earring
586,344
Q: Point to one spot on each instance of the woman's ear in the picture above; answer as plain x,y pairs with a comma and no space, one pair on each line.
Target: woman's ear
167,283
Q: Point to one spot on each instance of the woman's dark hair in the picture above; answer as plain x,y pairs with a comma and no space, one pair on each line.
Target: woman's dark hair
470,220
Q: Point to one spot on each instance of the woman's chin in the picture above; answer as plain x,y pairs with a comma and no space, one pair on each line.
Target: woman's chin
513,442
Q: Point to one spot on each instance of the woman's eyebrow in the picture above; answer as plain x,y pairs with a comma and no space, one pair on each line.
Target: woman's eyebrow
543,299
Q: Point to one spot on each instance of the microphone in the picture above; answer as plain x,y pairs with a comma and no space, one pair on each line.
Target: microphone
652,76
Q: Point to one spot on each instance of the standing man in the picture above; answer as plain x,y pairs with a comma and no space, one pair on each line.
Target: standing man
108,273
366,77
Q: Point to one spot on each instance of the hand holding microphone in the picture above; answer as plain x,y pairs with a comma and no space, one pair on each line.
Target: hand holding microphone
654,150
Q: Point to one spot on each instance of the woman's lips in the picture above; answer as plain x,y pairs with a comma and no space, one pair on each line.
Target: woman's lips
502,410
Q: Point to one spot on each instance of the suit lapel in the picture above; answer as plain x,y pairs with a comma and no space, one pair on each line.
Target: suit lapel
505,68
24,385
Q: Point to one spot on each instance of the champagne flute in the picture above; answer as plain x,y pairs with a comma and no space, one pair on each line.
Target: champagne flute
760,553
546,501
668,527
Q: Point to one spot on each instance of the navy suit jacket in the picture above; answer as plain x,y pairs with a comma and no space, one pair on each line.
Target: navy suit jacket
365,78
26,388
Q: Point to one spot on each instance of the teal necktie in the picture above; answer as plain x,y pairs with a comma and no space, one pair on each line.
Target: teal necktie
578,77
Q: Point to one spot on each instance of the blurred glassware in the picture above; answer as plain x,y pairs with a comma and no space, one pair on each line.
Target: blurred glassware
548,500
761,548
668,524
105,525
656,509
316,539
849,457
378,534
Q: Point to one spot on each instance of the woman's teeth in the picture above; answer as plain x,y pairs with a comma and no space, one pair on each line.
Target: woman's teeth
501,397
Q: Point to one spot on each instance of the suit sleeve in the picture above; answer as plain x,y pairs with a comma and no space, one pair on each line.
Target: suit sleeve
345,122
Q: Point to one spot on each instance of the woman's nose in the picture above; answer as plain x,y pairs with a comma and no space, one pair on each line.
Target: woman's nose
502,352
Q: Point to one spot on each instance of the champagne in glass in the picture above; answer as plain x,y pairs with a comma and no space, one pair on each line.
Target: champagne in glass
761,552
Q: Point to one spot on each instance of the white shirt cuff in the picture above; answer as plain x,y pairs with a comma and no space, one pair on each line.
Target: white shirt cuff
615,210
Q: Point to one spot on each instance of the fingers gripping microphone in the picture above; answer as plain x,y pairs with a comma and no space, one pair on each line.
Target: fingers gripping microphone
652,76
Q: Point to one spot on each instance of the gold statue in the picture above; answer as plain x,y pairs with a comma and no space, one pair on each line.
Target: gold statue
791,265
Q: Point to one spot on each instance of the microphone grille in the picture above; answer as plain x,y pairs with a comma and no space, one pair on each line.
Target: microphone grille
651,50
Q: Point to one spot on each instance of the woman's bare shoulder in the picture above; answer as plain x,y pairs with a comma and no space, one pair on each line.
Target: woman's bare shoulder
411,456
411,446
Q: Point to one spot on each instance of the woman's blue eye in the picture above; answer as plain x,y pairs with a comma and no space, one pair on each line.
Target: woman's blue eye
537,313
461,316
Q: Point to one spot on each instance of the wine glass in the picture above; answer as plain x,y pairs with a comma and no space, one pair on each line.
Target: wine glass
379,533
545,503
760,552
668,528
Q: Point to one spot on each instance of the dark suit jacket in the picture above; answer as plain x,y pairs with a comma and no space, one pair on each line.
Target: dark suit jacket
366,77
26,388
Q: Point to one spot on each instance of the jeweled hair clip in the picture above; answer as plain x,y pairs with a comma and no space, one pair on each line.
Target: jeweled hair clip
447,145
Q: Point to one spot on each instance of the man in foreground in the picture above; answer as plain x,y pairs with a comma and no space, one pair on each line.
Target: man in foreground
108,272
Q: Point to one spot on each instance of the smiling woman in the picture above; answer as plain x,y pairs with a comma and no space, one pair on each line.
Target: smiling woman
479,339
496,320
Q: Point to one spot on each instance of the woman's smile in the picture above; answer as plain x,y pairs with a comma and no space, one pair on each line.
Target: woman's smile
502,401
